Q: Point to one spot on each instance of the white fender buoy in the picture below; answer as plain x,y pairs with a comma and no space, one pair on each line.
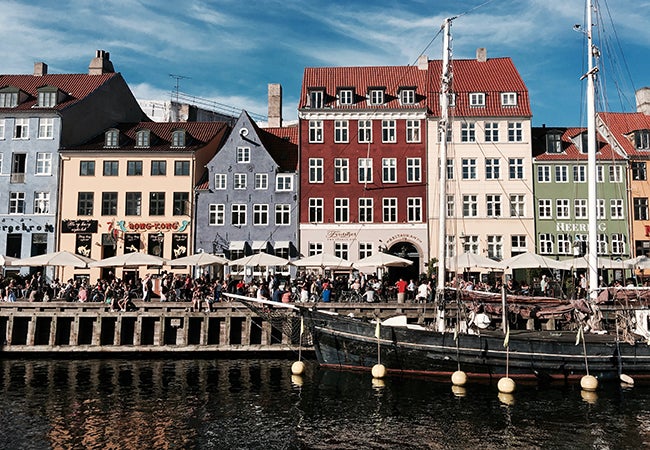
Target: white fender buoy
378,371
459,391
627,380
458,378
589,397
506,399
378,383
296,380
298,368
589,383
506,385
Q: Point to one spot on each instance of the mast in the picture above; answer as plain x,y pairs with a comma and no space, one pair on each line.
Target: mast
443,124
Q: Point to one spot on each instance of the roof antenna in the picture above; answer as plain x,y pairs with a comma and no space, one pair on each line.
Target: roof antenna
178,79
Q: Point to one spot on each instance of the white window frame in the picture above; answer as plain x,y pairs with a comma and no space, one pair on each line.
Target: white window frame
470,205
407,96
239,214
316,170
580,208
413,130
476,99
364,171
21,128
365,249
564,244
544,208
316,131
283,183
491,131
472,244
41,203
517,205
346,97
414,209
618,243
389,170
579,174
451,206
282,214
515,132
316,210
316,98
342,250
561,174
2,129
260,214
493,205
389,210
616,210
365,131
240,181
603,244
467,132
341,210
508,99
243,155
492,168
546,243
16,203
413,170
600,174
495,247
217,214
221,181
315,248
366,210
46,128
341,170
376,97
543,174
615,174
261,181
600,209
341,131
516,169
43,164
389,131
468,170
562,208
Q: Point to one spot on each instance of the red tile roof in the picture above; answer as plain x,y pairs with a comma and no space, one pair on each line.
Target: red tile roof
571,152
283,151
622,126
76,86
289,133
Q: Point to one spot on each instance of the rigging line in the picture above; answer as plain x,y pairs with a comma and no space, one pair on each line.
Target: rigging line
471,10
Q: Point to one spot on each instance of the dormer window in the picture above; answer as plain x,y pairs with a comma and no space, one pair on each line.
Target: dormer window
584,143
508,99
477,99
111,138
376,96
316,98
407,96
47,99
8,99
452,99
554,142
642,139
178,138
142,138
346,97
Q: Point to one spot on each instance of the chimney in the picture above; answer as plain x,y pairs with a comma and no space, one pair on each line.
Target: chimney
275,105
101,63
40,69
643,100
481,54
423,62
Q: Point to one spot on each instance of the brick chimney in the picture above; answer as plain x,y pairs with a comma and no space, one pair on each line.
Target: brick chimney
423,62
275,105
481,54
101,63
40,69
643,100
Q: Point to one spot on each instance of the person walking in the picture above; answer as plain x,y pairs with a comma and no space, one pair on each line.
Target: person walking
401,290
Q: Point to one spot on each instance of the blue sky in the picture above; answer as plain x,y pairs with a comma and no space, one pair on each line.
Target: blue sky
229,50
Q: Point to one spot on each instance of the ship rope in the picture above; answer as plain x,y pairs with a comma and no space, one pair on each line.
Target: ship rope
284,320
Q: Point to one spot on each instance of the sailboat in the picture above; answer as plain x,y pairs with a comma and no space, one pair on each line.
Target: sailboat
459,342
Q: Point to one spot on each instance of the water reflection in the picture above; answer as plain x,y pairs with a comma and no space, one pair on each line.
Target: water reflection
260,404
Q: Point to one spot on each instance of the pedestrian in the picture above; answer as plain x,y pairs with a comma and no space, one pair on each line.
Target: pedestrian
401,290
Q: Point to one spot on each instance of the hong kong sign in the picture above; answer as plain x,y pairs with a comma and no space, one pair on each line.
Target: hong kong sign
131,227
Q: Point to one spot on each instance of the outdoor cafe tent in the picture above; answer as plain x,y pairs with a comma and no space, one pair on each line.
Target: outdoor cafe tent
381,259
199,259
640,262
530,260
603,263
260,259
467,260
135,259
323,260
54,259
7,260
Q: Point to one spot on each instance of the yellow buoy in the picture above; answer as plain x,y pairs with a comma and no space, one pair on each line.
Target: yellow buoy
506,399
589,396
378,371
506,385
589,383
298,368
296,380
627,380
459,391
458,378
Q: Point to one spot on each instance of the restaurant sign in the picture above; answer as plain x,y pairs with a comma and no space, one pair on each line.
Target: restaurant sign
79,226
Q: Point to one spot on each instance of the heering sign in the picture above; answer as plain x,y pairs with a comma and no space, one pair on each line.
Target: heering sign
577,227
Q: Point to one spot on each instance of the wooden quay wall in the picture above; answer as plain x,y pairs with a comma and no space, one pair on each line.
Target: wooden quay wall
160,327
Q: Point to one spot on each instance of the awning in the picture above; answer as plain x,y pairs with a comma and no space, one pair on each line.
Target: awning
281,244
237,245
259,245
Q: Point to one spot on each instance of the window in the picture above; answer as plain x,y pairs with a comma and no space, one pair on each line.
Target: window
2,129
562,208
238,214
43,163
580,208
261,181
85,203
134,168
220,181
178,138
8,99
639,171
515,132
518,244
603,244
365,170
616,208
365,249
21,129
450,246
493,203
641,208
181,203
376,96
600,209
41,202
315,248
243,155
346,97
389,210
109,203
133,204
491,132
615,174
45,128
451,206
618,244
156,203
315,210
564,244
389,170
86,168
467,132
142,138
476,99
516,168
17,203
544,174
341,170
468,168
315,170
260,214
181,168
517,205
471,244
111,168
341,210
217,214
414,209
413,170
545,211
579,174
239,181
284,183
407,96
600,174
642,140
316,99
492,169
412,131
341,250
365,210
508,99
365,131
561,174
158,168
470,206
554,142
546,243
111,138
450,169
341,128
495,247
282,214
46,99
316,131
388,131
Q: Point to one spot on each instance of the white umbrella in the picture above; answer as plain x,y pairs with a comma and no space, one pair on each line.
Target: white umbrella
260,259
469,260
135,259
199,259
323,260
54,259
382,259
530,260
640,262
603,263
7,260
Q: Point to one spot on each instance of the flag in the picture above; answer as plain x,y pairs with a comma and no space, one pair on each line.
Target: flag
302,325
579,335
506,341
378,329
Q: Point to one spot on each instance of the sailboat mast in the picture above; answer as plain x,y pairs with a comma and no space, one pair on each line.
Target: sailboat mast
592,243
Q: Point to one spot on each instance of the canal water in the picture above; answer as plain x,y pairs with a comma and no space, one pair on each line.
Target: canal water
257,404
